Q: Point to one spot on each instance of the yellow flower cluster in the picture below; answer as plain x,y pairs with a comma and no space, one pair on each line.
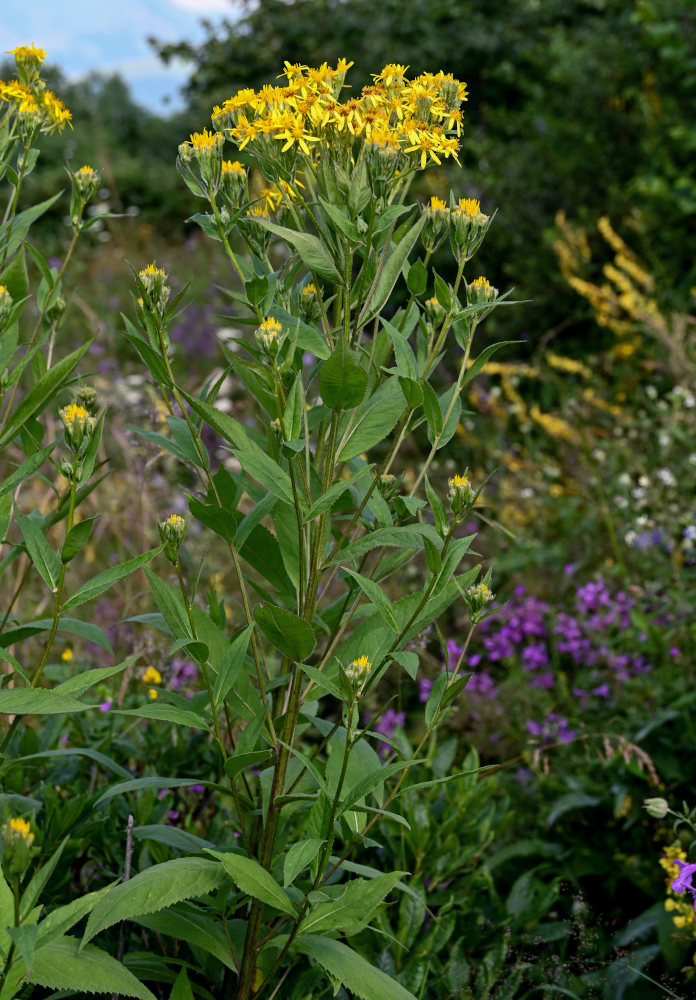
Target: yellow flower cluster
358,670
682,910
416,121
622,302
17,828
28,96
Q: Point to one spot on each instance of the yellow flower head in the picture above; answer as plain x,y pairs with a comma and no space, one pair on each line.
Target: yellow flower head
24,52
481,290
206,139
309,291
268,335
73,415
358,669
17,829
470,207
437,205
233,167
154,695
172,532
67,655
461,494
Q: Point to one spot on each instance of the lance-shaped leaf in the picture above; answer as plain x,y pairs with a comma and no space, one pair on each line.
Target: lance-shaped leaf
392,267
310,248
251,878
46,561
293,636
37,701
374,419
342,380
361,977
60,965
351,911
102,581
154,889
42,393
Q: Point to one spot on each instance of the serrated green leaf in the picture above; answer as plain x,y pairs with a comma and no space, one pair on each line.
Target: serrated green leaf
352,970
61,965
198,929
154,889
353,910
265,471
255,881
298,857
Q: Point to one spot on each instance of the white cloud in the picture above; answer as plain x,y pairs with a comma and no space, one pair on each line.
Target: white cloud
206,6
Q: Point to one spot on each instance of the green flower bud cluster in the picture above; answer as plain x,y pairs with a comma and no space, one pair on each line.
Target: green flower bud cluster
16,840
5,304
85,182
172,532
468,228
477,598
156,290
461,495
204,149
658,808
269,336
78,424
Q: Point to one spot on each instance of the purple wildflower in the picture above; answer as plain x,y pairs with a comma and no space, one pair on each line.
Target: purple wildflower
683,881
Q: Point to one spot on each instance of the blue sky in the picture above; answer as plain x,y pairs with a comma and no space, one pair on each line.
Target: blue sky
110,36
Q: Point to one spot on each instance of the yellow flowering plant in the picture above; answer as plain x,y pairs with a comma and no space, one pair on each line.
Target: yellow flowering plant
50,433
348,323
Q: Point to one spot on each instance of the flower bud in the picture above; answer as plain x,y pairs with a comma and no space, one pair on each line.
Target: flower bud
461,495
78,425
468,228
480,290
88,397
66,467
269,336
436,219
657,808
434,311
206,149
16,840
5,304
388,485
477,597
157,292
310,309
357,671
172,532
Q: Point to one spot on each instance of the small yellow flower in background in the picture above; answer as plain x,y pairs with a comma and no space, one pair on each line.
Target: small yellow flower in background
16,840
17,829
152,676
5,302
67,655
153,694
